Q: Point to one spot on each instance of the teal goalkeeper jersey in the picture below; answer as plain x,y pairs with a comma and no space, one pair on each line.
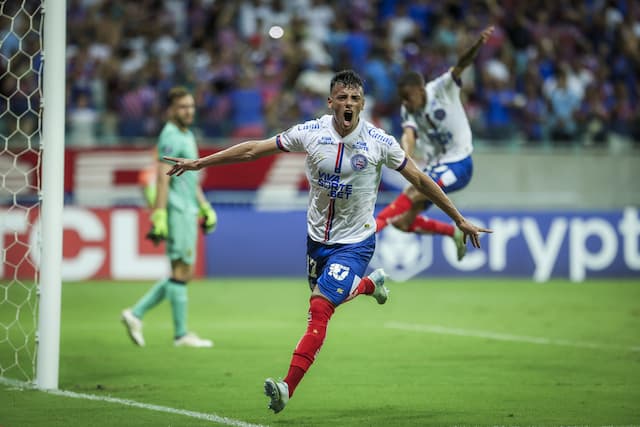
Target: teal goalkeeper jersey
182,189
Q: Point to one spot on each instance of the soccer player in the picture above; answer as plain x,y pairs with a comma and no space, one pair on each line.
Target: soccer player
343,165
436,132
178,204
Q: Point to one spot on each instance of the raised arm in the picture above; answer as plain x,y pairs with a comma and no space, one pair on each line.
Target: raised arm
243,152
429,188
467,57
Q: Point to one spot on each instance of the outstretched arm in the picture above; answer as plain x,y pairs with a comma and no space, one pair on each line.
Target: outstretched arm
429,188
243,152
467,57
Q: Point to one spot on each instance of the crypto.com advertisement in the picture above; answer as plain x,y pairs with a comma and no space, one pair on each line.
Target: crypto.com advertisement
109,244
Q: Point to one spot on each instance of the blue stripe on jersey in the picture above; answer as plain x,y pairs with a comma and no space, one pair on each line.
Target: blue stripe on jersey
279,143
404,163
327,227
339,157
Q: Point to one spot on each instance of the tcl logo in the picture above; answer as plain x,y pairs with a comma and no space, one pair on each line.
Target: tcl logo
97,243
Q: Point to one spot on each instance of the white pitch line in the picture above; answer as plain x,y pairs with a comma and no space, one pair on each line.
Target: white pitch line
443,330
126,402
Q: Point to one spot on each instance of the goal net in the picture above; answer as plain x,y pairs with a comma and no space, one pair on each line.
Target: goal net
21,24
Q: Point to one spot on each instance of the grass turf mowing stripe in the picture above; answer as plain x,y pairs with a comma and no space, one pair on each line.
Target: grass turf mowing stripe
443,330
126,402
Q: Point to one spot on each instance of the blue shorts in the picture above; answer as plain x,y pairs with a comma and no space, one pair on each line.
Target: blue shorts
451,176
337,269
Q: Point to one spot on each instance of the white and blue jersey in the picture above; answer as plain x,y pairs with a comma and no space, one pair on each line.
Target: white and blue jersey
343,174
443,134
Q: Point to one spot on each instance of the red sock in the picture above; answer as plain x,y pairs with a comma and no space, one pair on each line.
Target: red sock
366,287
400,205
424,225
320,311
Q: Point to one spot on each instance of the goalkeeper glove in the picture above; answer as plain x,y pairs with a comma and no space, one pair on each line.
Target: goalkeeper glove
209,217
160,226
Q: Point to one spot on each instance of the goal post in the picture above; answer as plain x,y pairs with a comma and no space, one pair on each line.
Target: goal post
53,119
32,117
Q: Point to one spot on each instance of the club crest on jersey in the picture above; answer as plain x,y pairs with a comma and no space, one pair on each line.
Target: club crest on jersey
359,162
440,114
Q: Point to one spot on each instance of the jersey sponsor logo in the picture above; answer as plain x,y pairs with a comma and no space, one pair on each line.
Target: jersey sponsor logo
359,162
380,136
337,189
361,145
326,140
338,271
312,125
440,114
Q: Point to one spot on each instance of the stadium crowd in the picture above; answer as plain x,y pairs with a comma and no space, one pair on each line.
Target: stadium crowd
553,71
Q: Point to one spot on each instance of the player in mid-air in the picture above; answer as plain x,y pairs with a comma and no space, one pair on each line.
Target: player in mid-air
178,203
343,165
436,133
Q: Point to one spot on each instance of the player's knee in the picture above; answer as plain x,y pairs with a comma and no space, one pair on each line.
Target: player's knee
401,224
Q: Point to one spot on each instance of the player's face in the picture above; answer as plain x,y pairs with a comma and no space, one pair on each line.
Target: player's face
346,103
183,111
413,98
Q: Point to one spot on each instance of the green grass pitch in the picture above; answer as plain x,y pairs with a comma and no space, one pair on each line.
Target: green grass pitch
440,352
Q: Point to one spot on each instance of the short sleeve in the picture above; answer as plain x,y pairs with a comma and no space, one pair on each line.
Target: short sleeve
395,157
447,86
293,138
167,147
407,119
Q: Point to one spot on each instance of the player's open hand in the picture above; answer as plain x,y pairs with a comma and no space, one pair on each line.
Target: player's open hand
472,232
181,165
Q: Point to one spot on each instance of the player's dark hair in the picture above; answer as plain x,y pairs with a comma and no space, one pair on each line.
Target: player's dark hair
348,78
411,78
177,92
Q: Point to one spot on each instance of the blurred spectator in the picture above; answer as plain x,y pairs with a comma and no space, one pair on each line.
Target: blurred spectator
534,113
593,117
247,114
564,105
123,56
82,122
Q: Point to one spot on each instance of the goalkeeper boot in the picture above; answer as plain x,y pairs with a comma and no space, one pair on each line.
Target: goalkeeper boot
134,327
381,293
278,393
461,248
192,340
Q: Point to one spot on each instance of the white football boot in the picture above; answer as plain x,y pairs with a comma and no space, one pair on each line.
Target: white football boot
381,293
192,340
278,392
134,327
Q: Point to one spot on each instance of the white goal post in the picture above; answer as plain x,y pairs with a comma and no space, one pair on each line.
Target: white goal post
32,117
53,119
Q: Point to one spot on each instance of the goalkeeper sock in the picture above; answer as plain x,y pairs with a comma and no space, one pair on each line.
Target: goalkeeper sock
155,295
320,311
396,208
177,294
424,225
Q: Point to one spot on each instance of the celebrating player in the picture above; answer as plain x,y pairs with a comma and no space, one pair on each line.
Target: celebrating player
343,165
179,201
436,133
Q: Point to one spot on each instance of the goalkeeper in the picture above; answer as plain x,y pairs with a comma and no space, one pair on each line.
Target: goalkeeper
178,208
